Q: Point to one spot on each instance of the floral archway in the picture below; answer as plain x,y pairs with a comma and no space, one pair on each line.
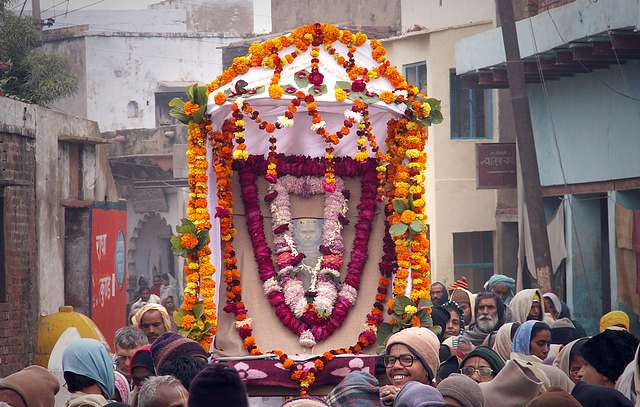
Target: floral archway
304,110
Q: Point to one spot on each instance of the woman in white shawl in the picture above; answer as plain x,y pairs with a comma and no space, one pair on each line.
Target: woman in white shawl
503,342
527,305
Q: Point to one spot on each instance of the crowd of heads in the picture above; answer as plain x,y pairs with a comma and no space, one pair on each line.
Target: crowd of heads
503,347
497,347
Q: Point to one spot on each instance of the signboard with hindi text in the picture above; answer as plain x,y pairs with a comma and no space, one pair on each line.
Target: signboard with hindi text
496,165
108,268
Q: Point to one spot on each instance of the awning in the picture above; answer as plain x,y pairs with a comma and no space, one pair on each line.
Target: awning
576,38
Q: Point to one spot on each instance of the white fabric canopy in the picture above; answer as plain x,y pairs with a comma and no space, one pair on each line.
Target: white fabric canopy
300,139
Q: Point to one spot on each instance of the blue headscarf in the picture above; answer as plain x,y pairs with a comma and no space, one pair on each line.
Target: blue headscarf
522,339
502,279
89,357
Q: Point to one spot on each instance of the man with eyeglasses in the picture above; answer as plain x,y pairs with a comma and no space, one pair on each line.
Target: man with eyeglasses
127,340
411,355
482,364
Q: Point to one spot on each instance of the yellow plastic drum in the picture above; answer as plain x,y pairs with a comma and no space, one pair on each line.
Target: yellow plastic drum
52,327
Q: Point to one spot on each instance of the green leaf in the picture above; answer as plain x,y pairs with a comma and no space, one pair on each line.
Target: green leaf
190,91
302,82
400,303
177,103
343,85
261,89
198,310
181,117
201,97
178,315
436,329
398,229
355,96
426,321
197,116
183,228
317,90
184,332
384,332
417,226
424,303
400,205
370,99
436,116
176,246
434,103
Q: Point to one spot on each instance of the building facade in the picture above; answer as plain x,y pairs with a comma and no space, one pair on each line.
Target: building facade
54,168
462,219
130,63
582,67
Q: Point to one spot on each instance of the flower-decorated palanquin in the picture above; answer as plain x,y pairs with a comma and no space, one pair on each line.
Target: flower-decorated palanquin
319,113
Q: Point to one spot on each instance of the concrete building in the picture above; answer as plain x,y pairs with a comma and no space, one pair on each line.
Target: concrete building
462,219
582,67
131,60
54,169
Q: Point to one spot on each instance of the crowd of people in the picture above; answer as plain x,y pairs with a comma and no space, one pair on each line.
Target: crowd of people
495,348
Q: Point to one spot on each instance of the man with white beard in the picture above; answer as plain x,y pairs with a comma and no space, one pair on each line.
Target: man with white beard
489,312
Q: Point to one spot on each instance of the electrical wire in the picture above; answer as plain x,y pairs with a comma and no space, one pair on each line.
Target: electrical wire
22,9
77,9
54,6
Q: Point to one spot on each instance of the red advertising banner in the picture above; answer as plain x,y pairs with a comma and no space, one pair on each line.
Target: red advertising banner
496,165
108,268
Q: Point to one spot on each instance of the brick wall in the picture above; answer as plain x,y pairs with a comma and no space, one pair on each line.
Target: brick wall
18,311
533,7
544,5
528,8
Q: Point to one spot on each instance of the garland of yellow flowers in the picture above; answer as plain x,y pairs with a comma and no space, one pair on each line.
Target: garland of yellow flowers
406,141
198,268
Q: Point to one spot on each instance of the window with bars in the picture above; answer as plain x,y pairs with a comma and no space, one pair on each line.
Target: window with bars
473,257
471,111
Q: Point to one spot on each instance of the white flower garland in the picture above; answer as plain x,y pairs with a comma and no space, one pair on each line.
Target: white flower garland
327,269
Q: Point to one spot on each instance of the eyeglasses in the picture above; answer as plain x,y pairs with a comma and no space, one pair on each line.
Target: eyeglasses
482,371
406,360
121,362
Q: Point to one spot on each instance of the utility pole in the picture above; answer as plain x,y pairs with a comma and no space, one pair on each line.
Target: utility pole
35,12
526,146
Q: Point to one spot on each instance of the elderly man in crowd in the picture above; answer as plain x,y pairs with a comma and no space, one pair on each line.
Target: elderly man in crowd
162,391
503,286
489,312
127,340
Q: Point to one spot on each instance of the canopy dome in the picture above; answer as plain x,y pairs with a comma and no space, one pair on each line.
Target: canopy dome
335,66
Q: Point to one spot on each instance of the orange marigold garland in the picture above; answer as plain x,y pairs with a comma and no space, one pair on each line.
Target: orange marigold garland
406,252
197,317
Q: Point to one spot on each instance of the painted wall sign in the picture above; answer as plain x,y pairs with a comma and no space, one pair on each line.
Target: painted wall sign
496,165
108,269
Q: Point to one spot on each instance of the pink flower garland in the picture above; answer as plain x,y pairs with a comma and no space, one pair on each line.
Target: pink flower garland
288,259
310,328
